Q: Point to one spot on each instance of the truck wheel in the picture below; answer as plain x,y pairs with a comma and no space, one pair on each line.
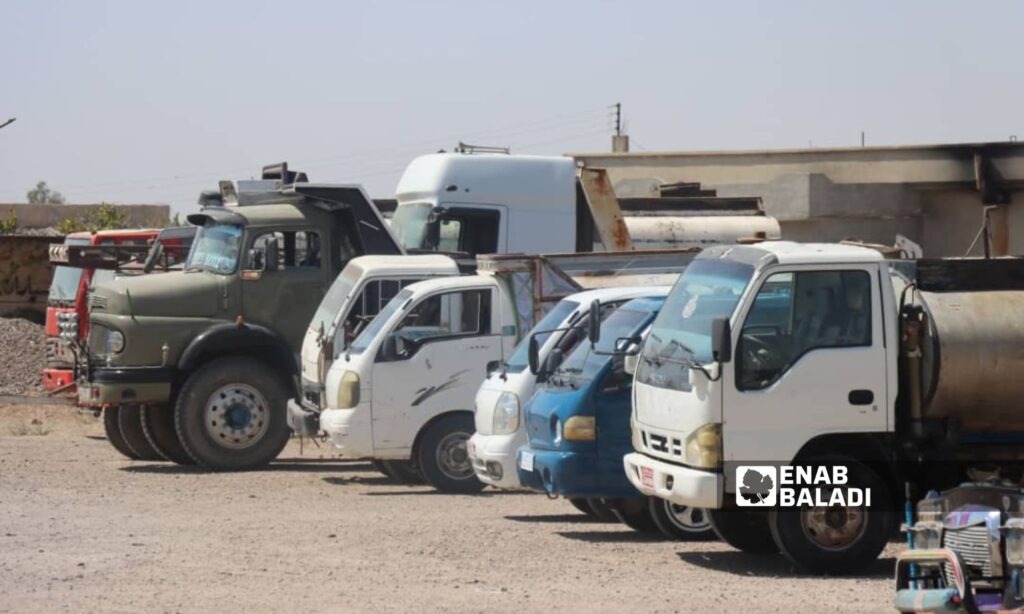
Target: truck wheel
581,505
679,521
602,511
230,414
378,465
403,472
158,425
113,431
745,531
836,539
129,421
443,458
634,513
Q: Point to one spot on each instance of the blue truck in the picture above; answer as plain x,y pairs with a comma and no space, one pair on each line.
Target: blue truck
578,427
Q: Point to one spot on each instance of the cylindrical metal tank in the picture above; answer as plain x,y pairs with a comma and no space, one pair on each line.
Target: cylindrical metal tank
667,231
973,359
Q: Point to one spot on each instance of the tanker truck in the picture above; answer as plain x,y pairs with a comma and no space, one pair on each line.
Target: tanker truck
799,391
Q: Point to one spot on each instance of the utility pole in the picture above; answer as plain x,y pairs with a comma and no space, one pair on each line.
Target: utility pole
8,122
620,141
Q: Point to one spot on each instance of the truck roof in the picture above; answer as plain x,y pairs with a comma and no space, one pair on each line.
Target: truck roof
450,283
404,265
790,252
619,293
522,181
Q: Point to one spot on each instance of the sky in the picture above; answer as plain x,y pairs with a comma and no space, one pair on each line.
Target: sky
152,102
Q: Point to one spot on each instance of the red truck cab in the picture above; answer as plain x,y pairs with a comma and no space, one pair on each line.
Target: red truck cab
67,305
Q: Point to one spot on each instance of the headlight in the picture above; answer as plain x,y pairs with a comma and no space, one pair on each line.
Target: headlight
348,390
115,342
704,447
506,414
928,535
1014,533
580,428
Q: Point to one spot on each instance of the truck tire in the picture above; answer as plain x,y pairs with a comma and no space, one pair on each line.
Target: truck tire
230,414
679,521
378,466
602,511
158,425
837,540
582,505
113,431
746,531
442,456
129,422
402,471
634,513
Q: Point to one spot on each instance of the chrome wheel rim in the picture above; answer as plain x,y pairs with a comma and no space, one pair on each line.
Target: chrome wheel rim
452,456
686,518
834,528
236,416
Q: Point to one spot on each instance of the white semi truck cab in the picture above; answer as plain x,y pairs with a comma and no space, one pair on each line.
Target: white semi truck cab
790,354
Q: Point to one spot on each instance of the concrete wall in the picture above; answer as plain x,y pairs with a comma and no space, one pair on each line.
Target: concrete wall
44,216
24,274
927,193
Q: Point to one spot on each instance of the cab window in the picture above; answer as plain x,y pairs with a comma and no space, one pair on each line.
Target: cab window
375,294
795,313
295,249
452,314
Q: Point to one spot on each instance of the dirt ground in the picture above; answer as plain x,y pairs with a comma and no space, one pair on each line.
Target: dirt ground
81,529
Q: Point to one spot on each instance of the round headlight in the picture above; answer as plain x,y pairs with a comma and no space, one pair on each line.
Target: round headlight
115,341
506,414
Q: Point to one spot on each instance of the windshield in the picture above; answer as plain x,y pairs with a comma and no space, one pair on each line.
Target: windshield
520,358
64,285
334,299
101,276
409,224
682,331
366,337
215,248
584,363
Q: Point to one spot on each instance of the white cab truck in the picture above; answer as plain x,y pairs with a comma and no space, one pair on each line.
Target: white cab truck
500,428
402,392
903,372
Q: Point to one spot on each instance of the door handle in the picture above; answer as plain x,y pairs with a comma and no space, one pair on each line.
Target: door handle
861,397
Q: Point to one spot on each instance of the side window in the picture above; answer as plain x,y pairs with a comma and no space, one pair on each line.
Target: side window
294,248
473,231
462,313
795,313
307,249
375,295
451,231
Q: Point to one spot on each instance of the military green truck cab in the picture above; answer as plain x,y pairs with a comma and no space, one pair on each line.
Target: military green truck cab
196,366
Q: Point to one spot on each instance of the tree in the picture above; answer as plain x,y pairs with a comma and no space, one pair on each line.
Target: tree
42,194
103,217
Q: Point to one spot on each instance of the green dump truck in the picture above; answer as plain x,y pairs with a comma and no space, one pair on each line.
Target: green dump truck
196,366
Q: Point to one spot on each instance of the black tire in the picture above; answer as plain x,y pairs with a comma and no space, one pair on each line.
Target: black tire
380,467
602,511
746,531
129,421
403,471
113,431
634,513
442,456
232,392
679,521
158,425
800,536
582,505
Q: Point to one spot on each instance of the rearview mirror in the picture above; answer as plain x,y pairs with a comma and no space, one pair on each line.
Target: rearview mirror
630,363
594,321
392,348
270,255
153,256
257,259
533,355
721,339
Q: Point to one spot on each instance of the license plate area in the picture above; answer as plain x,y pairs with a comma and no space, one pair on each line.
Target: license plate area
647,477
526,461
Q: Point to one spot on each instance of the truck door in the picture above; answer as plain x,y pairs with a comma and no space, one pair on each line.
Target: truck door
446,341
284,298
809,359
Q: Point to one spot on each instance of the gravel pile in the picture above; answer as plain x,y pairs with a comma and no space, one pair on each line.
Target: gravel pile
22,356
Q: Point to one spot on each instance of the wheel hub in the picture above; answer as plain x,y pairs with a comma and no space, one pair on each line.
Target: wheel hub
236,416
691,519
834,528
453,456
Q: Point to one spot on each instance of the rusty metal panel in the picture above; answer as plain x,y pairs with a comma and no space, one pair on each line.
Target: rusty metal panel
25,273
604,207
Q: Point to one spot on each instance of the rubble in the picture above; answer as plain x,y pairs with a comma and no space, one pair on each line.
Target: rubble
22,356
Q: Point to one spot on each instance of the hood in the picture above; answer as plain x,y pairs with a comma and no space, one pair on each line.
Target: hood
549,405
171,294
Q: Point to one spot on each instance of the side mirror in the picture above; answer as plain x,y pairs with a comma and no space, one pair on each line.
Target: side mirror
553,361
533,355
391,348
594,321
257,260
153,256
492,366
721,339
271,255
628,346
630,363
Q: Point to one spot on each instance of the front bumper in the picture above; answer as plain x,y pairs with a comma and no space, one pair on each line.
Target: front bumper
494,458
302,419
125,386
57,378
350,430
680,485
570,474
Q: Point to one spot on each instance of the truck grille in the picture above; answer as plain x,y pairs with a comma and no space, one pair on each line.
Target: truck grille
661,444
974,546
97,302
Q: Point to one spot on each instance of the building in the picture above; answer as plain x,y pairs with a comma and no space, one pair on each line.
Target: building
933,194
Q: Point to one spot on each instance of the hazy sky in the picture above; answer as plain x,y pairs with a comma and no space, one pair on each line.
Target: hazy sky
132,101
